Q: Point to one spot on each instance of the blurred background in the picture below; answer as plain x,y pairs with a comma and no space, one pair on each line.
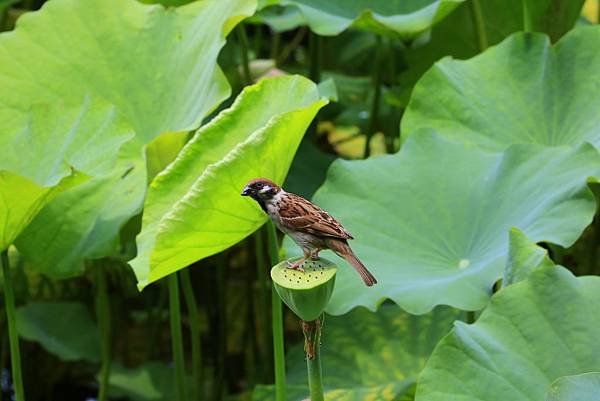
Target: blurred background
374,70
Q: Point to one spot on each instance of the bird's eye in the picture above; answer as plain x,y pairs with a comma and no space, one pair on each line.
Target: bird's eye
259,185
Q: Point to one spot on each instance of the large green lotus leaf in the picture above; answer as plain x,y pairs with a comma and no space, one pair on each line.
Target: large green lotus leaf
157,85
279,19
65,329
405,18
37,160
456,35
84,222
58,138
432,221
163,150
523,90
532,333
369,355
296,392
150,381
20,200
194,208
524,256
583,387
157,65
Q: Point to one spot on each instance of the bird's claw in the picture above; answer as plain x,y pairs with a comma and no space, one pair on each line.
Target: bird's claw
296,265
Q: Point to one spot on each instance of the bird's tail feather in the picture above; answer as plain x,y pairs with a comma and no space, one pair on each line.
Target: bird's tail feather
343,249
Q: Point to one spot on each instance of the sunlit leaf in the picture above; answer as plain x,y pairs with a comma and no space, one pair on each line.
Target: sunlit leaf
583,387
56,139
194,208
523,90
158,85
20,200
591,11
163,150
65,329
432,221
369,355
38,159
83,222
117,80
532,333
389,17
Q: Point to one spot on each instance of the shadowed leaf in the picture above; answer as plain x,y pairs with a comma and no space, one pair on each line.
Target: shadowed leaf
432,222
532,333
194,208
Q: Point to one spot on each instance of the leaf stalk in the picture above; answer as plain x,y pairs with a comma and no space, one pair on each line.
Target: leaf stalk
194,319
479,24
176,337
102,306
374,115
312,346
243,39
277,321
13,336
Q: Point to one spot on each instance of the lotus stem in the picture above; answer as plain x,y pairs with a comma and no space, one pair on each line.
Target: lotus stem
102,305
527,23
263,295
277,321
13,337
312,349
479,25
243,39
194,319
315,43
374,115
176,338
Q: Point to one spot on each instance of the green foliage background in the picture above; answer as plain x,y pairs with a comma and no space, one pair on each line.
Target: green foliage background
456,139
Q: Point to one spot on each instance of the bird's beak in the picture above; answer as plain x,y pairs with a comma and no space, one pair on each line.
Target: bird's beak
246,191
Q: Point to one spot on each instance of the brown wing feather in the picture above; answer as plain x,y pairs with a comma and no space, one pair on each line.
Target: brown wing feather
303,215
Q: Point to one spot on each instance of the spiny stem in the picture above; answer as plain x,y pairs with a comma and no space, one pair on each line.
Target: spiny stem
102,305
264,296
374,115
275,43
243,39
290,46
13,337
277,321
220,386
527,23
176,338
315,43
312,348
478,22
194,319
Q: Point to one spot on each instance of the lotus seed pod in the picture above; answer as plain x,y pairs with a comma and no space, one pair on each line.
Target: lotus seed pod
305,293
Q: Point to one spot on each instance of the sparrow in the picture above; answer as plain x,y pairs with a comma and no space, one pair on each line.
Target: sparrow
311,227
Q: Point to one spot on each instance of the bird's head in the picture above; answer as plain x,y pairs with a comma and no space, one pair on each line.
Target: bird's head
261,189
